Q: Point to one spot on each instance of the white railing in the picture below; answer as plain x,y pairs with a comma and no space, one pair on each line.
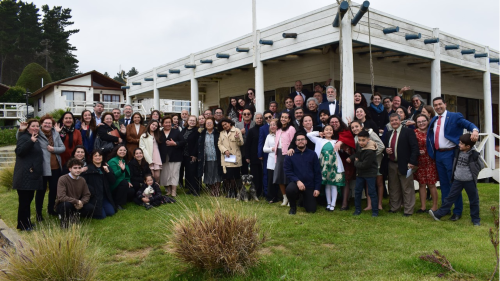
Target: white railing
11,110
489,158
78,106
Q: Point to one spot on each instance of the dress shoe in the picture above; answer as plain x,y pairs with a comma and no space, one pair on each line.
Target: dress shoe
420,211
356,213
455,217
292,211
407,215
344,208
120,208
328,207
476,224
374,214
392,212
431,213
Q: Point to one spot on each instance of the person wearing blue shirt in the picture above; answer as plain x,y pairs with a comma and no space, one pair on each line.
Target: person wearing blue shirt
263,132
443,137
304,173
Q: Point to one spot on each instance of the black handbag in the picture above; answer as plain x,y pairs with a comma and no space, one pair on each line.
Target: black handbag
102,145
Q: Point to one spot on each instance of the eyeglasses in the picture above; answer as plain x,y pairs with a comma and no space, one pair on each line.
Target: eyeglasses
268,117
218,113
300,139
246,114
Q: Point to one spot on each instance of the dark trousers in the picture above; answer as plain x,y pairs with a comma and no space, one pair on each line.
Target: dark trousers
25,198
66,210
308,199
444,165
264,175
192,182
372,192
123,193
181,174
256,172
107,210
40,194
272,189
455,192
244,167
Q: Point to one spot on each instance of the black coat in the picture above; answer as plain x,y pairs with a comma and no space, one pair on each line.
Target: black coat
174,152
104,129
381,119
407,148
310,145
156,197
28,171
192,141
252,145
137,172
98,184
201,152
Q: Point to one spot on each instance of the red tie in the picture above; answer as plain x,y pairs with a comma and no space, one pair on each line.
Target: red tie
436,136
393,146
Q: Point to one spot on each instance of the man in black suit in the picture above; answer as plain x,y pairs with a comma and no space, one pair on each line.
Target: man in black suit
251,147
299,91
331,104
98,110
127,115
273,107
402,152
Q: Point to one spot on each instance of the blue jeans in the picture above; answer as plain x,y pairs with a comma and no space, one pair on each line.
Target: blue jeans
456,190
444,165
107,210
264,174
360,186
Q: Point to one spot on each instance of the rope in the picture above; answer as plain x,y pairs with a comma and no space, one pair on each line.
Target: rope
371,60
340,50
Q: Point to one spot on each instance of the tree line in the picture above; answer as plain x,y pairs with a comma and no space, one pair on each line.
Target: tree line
27,36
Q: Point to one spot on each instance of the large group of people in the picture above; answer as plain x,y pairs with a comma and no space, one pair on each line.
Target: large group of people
301,156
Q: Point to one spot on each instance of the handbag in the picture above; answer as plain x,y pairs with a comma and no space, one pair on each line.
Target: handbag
102,145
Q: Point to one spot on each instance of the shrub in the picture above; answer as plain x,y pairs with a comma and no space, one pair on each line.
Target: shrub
6,177
14,94
217,239
57,113
51,254
8,137
31,77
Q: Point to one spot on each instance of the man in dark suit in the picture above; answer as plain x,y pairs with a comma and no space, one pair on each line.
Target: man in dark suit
273,107
263,132
402,152
245,125
331,104
251,152
127,115
443,137
98,110
299,91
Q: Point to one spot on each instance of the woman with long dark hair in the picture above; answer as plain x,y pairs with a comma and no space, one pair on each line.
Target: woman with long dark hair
134,132
250,100
378,113
69,135
88,130
284,137
99,177
122,189
232,110
139,167
364,117
230,143
359,100
190,155
28,172
149,145
108,132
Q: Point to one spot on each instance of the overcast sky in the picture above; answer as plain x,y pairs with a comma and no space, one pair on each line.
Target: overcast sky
149,33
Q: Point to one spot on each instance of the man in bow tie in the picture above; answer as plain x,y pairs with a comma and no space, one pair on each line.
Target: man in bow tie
331,104
127,115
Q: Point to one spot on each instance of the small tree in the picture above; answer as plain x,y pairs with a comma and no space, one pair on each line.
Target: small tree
32,75
14,94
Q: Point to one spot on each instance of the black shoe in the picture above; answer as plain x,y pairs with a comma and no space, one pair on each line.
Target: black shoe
391,211
39,218
407,215
344,208
420,211
455,217
292,211
374,214
356,213
476,224
120,208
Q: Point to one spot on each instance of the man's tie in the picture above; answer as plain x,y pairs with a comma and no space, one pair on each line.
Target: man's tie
436,135
127,122
393,146
332,102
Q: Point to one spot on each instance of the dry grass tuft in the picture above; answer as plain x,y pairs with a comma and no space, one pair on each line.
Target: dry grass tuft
51,254
6,177
217,239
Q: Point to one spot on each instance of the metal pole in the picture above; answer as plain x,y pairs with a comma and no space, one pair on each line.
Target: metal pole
27,105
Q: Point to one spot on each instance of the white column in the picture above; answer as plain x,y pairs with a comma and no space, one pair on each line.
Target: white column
194,90
347,69
259,79
156,92
127,94
436,68
488,111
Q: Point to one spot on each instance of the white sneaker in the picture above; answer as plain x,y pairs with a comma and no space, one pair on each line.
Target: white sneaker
285,201
328,207
332,208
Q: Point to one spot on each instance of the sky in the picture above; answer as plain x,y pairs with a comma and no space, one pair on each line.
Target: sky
123,34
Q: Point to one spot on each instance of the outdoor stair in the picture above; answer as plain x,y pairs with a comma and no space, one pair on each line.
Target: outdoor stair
7,156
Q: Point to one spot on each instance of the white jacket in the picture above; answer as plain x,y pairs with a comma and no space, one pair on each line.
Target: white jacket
268,148
320,142
146,144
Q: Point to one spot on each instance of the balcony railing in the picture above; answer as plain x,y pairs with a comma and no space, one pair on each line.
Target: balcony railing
78,106
14,110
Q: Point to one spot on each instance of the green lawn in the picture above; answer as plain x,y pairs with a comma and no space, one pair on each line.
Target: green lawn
321,246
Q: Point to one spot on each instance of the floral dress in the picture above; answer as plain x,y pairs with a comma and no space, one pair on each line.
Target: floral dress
426,172
328,161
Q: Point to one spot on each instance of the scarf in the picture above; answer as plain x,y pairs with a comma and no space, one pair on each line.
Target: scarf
378,108
67,131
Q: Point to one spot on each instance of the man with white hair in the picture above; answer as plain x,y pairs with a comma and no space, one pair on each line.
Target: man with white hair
331,104
184,117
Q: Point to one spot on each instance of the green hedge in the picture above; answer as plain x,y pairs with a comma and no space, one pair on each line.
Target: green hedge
8,137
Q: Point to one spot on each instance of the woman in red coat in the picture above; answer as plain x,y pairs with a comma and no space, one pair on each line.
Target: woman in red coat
70,137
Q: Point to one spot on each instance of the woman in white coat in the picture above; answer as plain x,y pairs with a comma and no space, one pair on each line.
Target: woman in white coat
148,144
332,170
269,147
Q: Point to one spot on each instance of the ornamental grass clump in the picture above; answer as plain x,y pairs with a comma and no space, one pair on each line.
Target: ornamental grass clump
51,253
6,177
217,239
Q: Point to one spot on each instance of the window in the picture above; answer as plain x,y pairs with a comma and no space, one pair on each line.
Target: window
40,103
469,109
178,106
111,98
73,96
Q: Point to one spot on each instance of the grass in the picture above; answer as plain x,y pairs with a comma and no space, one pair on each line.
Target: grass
321,246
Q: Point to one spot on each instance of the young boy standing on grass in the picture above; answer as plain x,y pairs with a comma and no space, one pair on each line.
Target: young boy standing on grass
365,161
466,168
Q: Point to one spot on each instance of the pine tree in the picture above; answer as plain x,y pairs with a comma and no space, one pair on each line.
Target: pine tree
9,30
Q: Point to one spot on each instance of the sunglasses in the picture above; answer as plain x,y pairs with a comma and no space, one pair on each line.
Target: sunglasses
246,114
268,117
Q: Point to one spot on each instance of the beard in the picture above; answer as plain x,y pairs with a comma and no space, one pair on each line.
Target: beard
330,99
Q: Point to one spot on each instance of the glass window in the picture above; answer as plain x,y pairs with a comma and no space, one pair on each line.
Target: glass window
111,98
40,104
75,96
